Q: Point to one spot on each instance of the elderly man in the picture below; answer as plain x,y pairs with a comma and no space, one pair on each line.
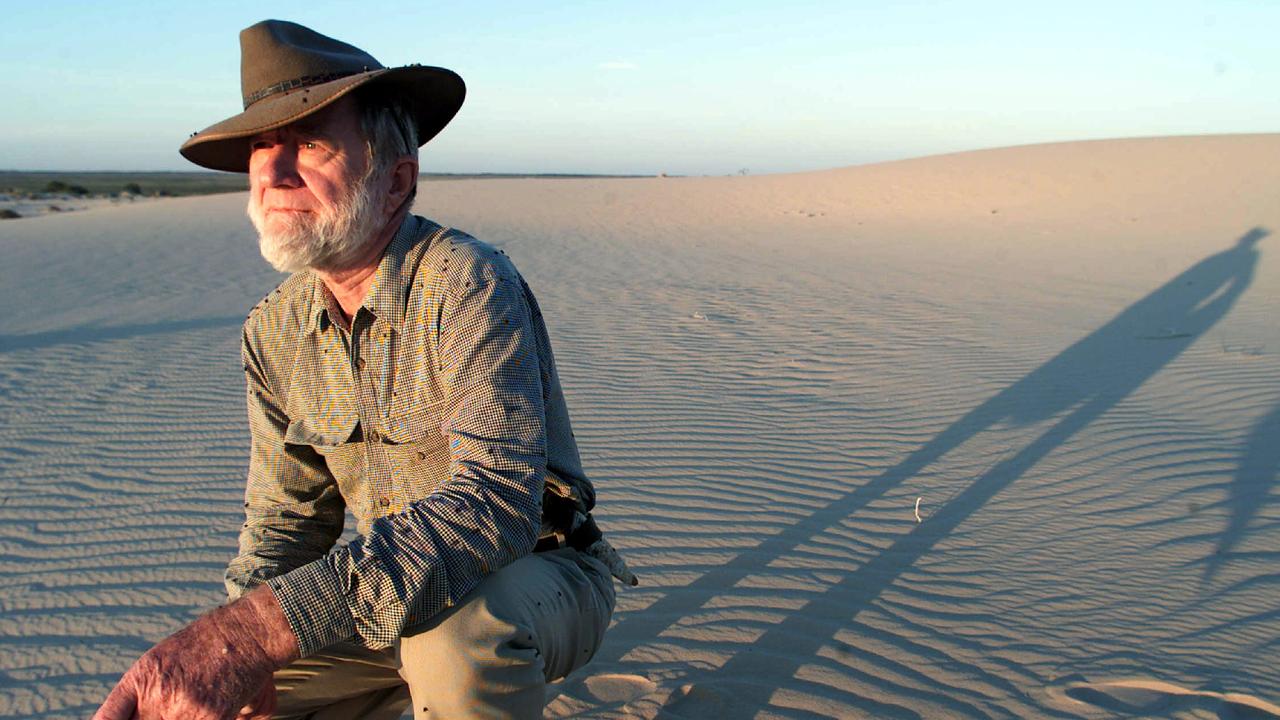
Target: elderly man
404,372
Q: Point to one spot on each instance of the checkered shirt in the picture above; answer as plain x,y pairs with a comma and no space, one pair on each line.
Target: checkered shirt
434,419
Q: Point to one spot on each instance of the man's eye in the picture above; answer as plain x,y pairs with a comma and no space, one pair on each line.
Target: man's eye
309,145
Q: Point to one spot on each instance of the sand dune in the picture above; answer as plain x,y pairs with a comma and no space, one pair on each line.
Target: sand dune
1068,353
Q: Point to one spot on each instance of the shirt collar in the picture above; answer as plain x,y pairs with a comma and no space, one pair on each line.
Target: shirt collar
389,293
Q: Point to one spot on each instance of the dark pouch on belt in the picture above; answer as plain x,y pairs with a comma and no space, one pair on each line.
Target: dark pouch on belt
561,526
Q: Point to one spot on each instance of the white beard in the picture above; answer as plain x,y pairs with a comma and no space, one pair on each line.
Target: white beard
329,239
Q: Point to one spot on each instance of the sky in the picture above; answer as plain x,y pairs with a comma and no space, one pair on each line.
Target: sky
688,88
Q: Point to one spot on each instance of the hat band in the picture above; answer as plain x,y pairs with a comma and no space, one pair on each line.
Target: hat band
304,81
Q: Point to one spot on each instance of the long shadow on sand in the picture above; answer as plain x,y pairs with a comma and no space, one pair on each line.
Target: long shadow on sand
1257,472
10,343
1080,384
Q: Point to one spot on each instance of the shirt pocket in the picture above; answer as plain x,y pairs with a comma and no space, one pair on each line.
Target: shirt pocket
418,453
322,432
330,437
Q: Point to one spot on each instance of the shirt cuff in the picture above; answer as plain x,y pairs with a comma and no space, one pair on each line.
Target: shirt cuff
313,602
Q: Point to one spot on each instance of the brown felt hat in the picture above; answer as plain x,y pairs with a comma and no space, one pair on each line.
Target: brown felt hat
288,72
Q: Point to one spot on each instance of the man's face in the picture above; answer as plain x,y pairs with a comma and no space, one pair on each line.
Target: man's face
311,196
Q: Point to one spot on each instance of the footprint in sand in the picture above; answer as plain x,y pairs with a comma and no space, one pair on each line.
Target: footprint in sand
1153,696
618,689
593,696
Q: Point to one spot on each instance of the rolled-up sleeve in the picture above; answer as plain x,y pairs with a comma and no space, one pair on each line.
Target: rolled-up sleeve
293,508
413,564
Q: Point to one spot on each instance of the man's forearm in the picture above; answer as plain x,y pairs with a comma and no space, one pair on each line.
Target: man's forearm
257,618
210,668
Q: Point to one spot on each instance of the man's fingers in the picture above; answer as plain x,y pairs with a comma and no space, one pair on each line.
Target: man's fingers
119,705
268,698
263,704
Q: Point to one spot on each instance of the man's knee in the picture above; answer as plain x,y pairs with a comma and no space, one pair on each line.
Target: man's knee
533,621
468,659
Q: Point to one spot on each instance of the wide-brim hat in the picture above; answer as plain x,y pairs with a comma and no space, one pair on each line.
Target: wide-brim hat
288,72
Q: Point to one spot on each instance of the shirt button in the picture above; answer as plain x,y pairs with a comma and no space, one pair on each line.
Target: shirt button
374,436
422,455
360,364
384,501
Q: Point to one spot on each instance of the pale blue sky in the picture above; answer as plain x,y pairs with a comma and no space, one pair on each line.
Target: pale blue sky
677,87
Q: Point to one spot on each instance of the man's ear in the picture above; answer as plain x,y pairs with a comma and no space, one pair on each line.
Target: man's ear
404,180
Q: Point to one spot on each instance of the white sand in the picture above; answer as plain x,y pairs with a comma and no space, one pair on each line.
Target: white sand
48,204
1066,350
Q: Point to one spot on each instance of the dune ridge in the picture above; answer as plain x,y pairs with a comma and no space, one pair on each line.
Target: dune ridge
1068,353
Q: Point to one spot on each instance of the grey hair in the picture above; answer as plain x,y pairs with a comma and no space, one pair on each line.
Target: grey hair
389,131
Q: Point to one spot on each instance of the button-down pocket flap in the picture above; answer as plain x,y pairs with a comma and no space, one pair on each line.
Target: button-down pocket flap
413,427
321,432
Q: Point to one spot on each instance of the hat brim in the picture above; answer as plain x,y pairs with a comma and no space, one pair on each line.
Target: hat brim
434,96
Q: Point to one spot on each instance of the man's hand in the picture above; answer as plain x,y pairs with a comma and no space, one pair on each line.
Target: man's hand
217,668
263,706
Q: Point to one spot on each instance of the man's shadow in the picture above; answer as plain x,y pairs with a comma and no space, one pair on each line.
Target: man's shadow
1076,386
1257,472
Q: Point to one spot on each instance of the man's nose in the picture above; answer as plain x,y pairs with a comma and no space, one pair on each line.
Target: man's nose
278,167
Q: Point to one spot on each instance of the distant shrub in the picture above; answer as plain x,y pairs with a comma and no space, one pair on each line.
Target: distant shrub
133,189
57,186
7,214
55,208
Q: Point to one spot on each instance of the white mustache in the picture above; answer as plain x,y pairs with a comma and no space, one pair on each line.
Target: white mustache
326,237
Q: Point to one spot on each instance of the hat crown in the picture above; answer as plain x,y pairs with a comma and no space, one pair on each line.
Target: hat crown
288,72
277,55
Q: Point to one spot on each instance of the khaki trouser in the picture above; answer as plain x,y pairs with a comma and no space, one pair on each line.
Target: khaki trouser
490,656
